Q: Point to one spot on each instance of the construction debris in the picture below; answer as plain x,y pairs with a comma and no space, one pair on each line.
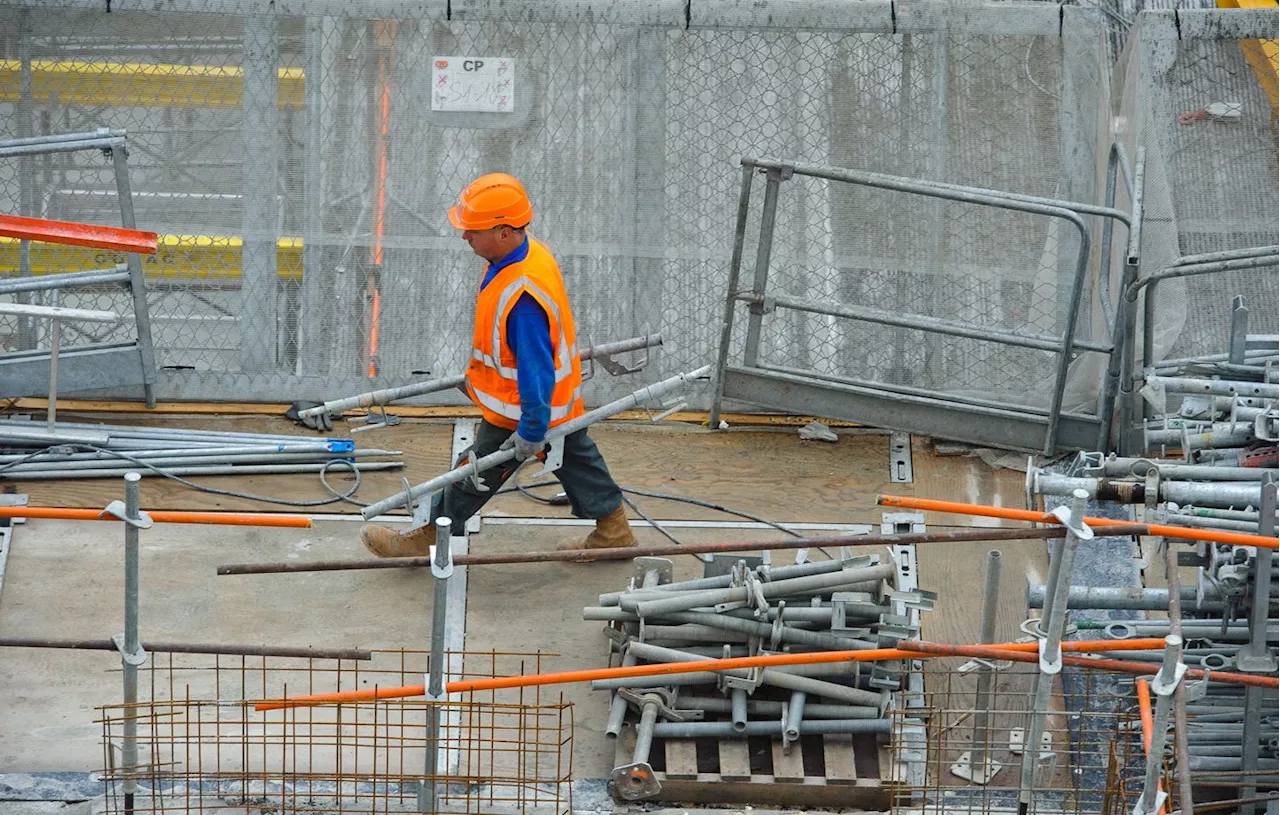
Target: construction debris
817,431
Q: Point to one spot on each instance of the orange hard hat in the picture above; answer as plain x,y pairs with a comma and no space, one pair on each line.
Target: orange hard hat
492,200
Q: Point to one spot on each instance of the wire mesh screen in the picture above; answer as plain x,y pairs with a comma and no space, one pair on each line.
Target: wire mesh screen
203,747
1090,758
1208,118
298,170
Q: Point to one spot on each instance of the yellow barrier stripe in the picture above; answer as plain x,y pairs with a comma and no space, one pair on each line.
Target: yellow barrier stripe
1263,56
79,82
211,258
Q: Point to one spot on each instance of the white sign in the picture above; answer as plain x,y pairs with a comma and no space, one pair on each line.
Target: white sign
480,84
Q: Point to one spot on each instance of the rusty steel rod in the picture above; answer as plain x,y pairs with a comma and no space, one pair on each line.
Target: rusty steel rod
590,555
187,648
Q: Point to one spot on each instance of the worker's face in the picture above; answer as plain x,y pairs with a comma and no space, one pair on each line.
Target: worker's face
491,244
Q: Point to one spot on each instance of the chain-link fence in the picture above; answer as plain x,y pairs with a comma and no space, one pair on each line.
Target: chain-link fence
298,169
1207,114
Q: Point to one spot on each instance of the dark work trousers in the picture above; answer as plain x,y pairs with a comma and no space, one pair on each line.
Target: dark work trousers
584,475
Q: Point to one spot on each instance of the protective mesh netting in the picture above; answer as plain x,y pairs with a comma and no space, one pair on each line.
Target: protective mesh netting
627,137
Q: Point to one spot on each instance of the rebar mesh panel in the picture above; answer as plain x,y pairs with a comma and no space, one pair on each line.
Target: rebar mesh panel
203,747
1091,759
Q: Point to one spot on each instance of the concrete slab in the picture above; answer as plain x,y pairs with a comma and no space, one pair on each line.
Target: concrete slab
65,579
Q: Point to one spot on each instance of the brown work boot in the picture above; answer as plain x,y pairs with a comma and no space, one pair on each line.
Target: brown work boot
385,542
611,532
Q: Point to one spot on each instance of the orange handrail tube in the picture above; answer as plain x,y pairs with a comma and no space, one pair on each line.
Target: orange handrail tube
1009,513
77,234
667,668
162,516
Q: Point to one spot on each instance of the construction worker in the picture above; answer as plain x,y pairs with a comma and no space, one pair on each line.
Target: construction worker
524,375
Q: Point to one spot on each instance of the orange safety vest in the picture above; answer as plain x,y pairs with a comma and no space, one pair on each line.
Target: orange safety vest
491,374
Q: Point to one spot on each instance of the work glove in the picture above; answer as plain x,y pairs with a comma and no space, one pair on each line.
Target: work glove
323,422
525,448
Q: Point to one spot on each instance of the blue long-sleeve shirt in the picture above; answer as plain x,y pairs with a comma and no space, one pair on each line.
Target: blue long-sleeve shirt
529,335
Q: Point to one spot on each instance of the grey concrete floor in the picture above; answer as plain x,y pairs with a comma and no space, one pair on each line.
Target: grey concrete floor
64,579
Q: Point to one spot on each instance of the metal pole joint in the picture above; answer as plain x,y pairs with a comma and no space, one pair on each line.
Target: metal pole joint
1171,672
116,509
136,657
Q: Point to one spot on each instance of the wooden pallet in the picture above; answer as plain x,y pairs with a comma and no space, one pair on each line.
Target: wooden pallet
839,771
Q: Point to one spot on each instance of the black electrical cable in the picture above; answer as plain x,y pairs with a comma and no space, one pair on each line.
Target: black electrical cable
662,529
523,489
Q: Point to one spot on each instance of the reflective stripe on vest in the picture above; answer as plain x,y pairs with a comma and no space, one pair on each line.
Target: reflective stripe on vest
493,384
495,404
512,412
564,362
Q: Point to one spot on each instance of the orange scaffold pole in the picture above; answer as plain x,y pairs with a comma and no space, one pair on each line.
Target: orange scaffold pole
1027,649
1009,513
77,234
161,516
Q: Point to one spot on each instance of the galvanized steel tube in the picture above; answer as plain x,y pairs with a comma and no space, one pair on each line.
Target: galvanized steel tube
785,634
1216,387
318,448
1133,599
694,678
990,609
98,277
242,469
644,733
442,568
386,396
1051,650
738,709
776,709
725,730
795,716
618,705
1138,467
475,467
770,676
131,655
805,615
1160,728
723,581
1216,493
180,434
182,461
683,601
